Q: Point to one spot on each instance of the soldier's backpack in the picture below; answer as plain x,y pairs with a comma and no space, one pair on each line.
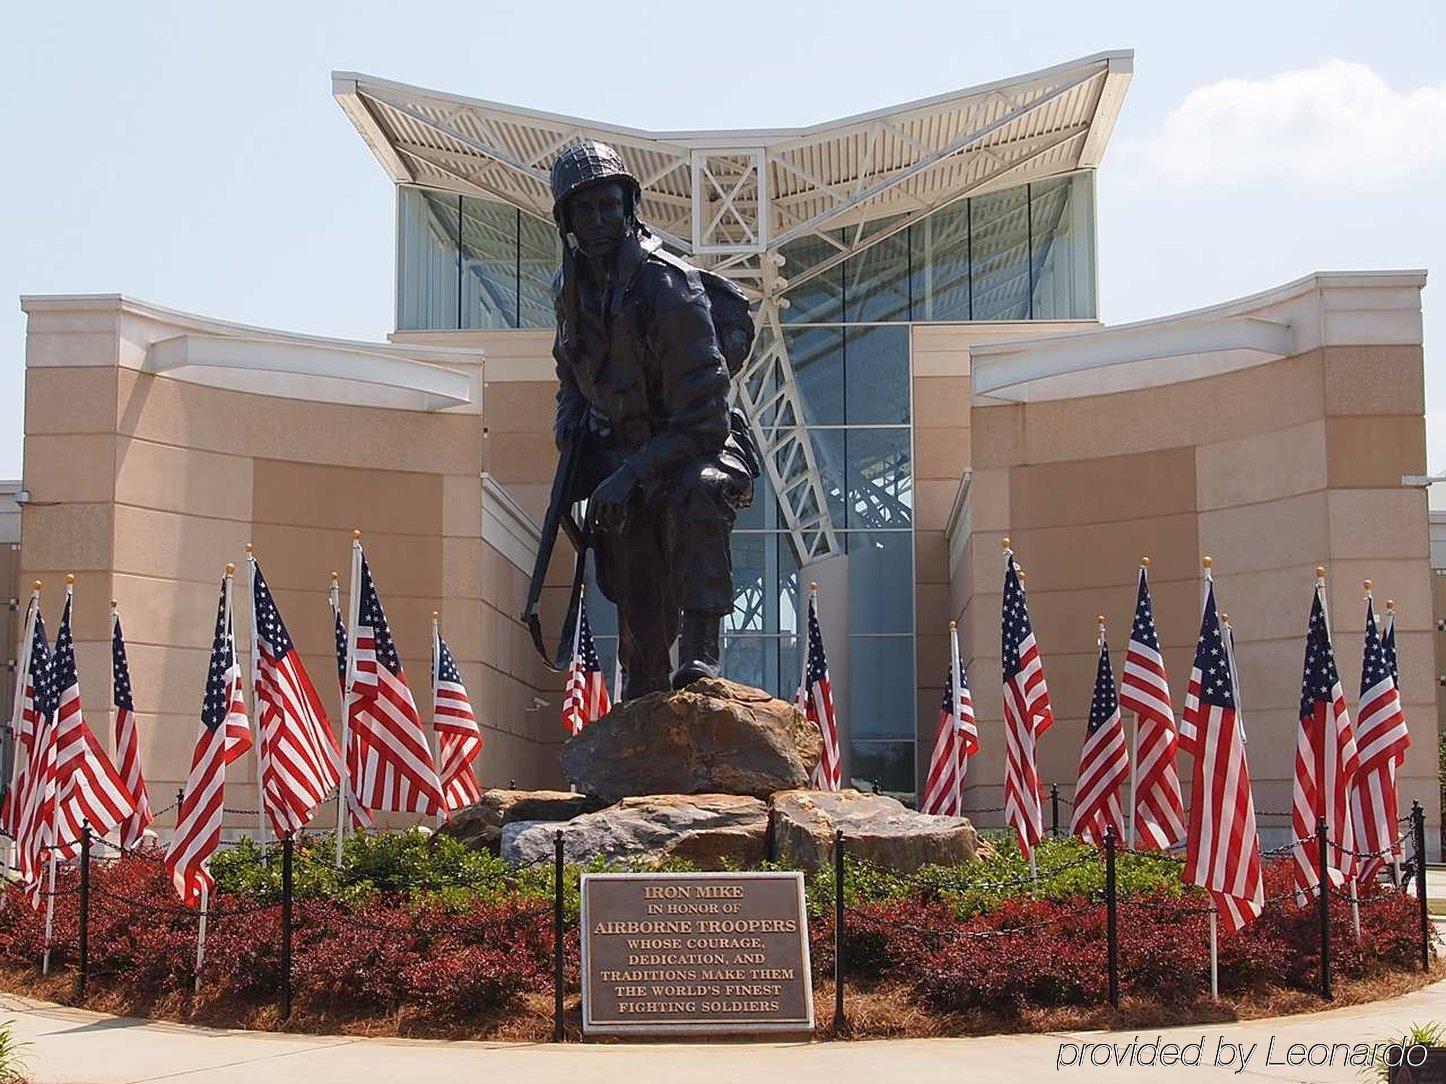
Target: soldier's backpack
732,319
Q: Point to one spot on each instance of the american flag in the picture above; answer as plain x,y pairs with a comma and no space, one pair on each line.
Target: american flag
1027,713
299,756
585,700
88,788
1381,741
1159,816
198,824
459,739
389,760
359,815
1326,762
1104,764
955,741
35,788
22,721
815,700
1222,849
127,741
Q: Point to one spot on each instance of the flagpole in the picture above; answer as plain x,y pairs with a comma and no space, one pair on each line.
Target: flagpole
1135,752
1214,952
201,934
255,673
436,681
1320,590
1395,851
49,908
53,828
353,607
956,724
17,710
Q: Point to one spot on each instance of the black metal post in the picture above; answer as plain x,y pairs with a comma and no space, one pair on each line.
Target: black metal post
180,797
1054,810
286,851
1325,910
1112,930
1418,833
840,1022
84,908
558,976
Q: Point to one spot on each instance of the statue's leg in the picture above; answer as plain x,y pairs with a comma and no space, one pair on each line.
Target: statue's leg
700,525
647,607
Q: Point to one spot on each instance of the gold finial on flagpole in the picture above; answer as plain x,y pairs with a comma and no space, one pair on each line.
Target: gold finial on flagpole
36,585
1390,604
356,535
953,625
1366,584
230,568
436,614
248,549
1224,617
1020,573
813,585
70,579
113,604
1320,572
1006,542
335,575
1145,562
1100,618
1207,560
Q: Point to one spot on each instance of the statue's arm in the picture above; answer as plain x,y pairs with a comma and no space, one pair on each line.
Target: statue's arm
695,382
570,401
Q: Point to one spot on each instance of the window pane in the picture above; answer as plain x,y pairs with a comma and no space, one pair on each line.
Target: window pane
939,251
426,260
752,660
888,763
539,256
829,448
1000,222
750,582
876,281
817,356
879,479
489,264
876,375
881,687
820,299
1061,248
881,581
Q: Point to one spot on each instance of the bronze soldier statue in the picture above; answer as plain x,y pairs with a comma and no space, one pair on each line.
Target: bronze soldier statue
643,348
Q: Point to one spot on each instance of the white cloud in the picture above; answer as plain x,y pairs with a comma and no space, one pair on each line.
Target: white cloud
1338,125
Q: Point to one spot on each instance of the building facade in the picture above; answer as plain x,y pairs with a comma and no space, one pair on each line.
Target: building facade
931,375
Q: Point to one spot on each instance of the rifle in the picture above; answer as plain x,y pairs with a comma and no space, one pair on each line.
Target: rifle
559,515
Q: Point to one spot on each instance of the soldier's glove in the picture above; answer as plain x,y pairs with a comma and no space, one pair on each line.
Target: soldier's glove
610,500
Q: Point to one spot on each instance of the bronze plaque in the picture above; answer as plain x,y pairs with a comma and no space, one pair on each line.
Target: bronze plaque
695,952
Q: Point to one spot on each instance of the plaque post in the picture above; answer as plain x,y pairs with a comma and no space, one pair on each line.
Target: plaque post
557,947
287,849
1323,887
1112,934
84,908
840,1021
1418,842
1054,810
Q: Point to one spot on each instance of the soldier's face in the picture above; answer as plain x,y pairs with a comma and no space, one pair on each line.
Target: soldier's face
598,216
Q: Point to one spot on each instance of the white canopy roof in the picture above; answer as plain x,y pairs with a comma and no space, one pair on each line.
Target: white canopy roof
702,188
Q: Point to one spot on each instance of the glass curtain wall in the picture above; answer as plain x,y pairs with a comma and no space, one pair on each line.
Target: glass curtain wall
471,263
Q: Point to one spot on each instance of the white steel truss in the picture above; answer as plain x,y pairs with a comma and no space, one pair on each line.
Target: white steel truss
733,199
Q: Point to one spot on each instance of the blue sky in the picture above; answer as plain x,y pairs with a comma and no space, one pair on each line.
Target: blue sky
191,154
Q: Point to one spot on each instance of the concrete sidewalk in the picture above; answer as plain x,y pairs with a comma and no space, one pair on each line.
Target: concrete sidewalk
79,1047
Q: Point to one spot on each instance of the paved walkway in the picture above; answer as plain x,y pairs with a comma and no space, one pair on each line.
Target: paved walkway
78,1047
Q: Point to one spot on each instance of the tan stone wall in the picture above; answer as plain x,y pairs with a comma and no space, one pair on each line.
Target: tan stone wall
146,485
1270,470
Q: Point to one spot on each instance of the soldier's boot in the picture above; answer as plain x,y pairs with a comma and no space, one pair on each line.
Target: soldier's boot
697,648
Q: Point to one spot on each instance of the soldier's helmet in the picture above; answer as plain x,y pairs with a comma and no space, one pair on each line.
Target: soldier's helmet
585,164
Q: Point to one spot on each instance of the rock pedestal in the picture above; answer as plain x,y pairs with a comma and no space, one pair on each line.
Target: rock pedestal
708,830
714,737
877,829
480,825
